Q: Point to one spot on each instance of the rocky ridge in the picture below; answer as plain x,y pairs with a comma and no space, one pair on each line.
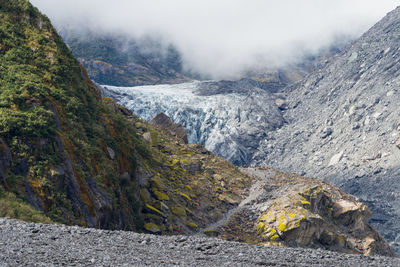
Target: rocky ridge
163,121
54,245
343,125
121,60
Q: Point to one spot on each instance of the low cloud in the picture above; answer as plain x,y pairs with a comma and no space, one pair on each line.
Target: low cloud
220,38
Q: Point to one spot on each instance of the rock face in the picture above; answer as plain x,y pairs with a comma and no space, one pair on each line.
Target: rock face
343,124
287,209
78,246
122,61
228,118
163,121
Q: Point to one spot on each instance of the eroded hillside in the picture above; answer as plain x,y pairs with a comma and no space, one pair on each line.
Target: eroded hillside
81,159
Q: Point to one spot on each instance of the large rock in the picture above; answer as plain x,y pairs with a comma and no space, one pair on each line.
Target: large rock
163,121
287,209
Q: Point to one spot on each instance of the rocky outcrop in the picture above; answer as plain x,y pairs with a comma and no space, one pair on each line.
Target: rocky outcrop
163,121
290,210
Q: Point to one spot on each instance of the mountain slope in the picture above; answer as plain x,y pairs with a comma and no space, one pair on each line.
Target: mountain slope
82,159
55,132
343,124
122,61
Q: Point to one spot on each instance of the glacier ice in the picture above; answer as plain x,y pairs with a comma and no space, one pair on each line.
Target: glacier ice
228,118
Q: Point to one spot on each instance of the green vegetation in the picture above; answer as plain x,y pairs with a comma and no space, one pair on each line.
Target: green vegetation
83,158
12,207
48,101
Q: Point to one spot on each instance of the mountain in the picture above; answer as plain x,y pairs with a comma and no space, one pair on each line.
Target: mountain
118,59
340,123
230,118
122,61
80,158
70,155
343,124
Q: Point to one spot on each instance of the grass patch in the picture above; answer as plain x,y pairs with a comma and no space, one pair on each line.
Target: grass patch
15,208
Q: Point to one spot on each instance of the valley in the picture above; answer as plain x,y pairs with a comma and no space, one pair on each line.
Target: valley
103,142
339,124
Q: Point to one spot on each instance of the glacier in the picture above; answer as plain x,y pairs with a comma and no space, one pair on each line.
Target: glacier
230,118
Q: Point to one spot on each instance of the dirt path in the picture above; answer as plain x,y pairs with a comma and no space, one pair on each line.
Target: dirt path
256,190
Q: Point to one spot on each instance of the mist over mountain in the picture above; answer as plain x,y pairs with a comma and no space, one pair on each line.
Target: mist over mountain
222,39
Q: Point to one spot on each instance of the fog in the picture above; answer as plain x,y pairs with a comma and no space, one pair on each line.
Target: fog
220,38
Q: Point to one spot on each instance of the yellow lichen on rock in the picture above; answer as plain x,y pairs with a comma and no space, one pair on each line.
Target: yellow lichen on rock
152,227
193,225
155,210
161,195
186,196
178,211
260,226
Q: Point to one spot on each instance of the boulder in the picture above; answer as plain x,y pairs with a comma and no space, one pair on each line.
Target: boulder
398,143
111,152
336,158
163,121
319,215
147,137
281,103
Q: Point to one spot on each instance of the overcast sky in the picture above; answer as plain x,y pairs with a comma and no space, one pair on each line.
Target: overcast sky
222,37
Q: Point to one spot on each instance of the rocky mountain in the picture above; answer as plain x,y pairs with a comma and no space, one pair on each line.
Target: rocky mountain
119,59
163,121
340,123
122,61
343,124
228,118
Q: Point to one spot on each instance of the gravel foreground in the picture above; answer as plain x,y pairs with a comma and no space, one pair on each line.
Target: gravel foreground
29,244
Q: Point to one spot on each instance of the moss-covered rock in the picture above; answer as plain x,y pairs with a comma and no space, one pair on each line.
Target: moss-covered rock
161,195
298,211
178,211
152,227
193,225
